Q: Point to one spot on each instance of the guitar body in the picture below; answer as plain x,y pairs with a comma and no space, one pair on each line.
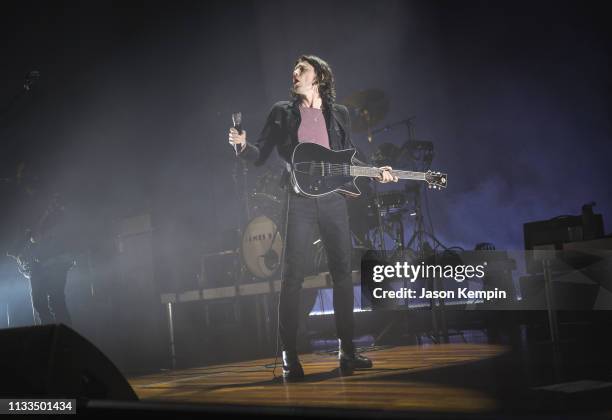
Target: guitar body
318,171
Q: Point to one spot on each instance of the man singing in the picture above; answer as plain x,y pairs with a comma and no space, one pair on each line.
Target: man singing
311,116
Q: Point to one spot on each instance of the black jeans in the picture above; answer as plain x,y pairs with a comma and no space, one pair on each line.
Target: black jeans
330,214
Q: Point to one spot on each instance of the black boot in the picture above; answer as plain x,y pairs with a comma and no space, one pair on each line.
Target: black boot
350,360
292,368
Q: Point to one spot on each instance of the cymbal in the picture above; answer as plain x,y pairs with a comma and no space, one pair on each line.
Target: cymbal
367,107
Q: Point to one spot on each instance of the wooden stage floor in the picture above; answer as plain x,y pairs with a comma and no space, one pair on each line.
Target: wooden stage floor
444,379
382,388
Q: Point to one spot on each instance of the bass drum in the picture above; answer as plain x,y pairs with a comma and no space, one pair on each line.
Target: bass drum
262,247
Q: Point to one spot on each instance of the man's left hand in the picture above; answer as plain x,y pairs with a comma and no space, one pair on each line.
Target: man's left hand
386,175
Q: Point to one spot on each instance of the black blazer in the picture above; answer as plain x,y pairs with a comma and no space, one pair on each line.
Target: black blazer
282,126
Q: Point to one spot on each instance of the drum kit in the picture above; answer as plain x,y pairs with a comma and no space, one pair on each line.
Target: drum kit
262,242
375,216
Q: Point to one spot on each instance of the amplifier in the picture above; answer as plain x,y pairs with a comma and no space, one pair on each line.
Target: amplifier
552,234
220,269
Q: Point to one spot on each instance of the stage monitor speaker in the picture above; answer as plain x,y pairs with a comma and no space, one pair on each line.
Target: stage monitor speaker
55,361
554,233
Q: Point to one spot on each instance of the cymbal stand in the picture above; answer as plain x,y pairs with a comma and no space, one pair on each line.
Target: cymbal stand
422,154
379,222
396,221
245,189
417,236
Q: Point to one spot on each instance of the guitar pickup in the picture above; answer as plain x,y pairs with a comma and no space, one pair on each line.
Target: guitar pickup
311,169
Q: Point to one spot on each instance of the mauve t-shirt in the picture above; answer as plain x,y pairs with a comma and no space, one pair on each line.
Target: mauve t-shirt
312,128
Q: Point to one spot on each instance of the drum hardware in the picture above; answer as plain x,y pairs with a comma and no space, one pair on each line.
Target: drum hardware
221,253
266,196
367,108
262,259
262,204
407,122
269,182
396,221
388,201
387,154
379,225
260,247
420,154
272,198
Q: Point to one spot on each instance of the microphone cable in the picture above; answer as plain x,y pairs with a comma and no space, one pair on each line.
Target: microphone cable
282,273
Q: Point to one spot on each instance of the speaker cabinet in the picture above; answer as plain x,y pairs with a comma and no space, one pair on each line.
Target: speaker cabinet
55,361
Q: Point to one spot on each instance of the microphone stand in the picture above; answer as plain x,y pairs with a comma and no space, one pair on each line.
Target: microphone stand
245,190
239,270
241,169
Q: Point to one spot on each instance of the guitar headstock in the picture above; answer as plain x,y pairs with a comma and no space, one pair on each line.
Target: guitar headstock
436,180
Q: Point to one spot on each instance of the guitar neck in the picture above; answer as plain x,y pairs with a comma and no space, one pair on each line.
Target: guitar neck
375,172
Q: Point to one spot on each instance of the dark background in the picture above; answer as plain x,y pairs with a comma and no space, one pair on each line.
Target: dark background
131,111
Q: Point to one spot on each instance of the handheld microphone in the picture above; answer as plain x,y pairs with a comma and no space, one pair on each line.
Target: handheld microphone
237,120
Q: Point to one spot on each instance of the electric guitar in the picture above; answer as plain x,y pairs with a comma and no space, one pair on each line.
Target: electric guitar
28,252
316,171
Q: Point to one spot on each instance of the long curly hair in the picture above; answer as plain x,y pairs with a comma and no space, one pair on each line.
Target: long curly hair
325,78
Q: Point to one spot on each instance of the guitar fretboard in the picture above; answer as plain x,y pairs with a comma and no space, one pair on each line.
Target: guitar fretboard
375,172
330,169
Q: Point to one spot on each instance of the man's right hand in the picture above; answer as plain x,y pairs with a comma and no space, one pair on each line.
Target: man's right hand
237,139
